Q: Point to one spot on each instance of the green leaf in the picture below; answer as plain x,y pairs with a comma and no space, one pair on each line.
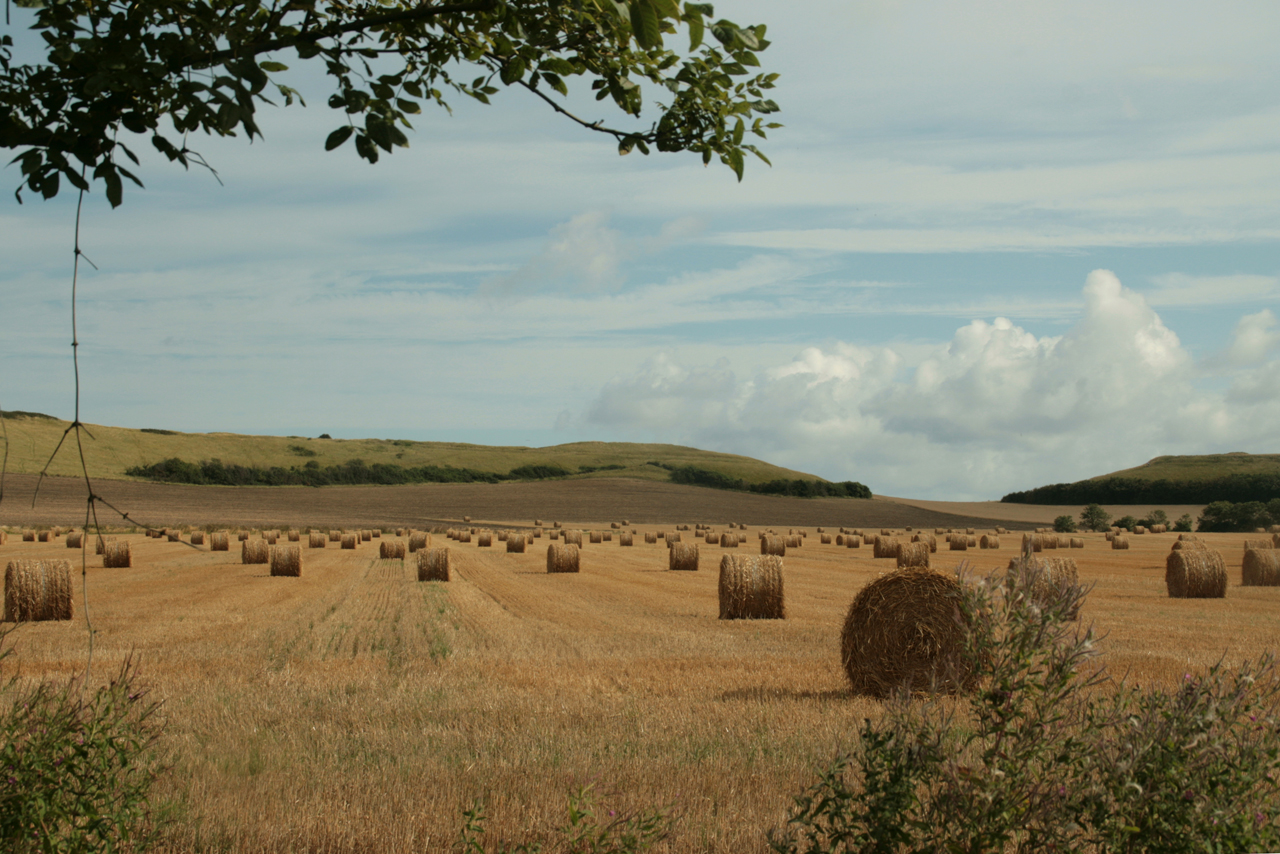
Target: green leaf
644,24
696,31
408,106
338,137
273,66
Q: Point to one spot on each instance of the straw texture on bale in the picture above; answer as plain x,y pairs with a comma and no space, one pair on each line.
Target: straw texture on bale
573,538
683,557
562,557
555,524
75,539
366,536
772,544
220,541
256,551
959,543
418,541
484,539
852,541
516,543
904,631
349,540
174,536
751,588
626,539
28,536
928,539
1257,544
242,536
596,537
377,533
1119,542
1261,568
197,538
37,590
317,540
43,537
1192,545
335,536
464,536
294,536
1159,529
913,554
502,536
391,550
795,541
433,564
825,539
650,537
711,538
1110,535
1195,574
537,533
117,554
1139,530
729,541
466,518
989,541
554,535
1032,543
1044,577
607,536
885,547
286,561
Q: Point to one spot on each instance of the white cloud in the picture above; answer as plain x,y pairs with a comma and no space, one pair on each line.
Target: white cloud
1180,289
1255,336
995,409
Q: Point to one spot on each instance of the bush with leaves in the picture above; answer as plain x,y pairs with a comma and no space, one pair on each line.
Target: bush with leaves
1049,755
1183,523
74,768
584,833
1094,517
1065,524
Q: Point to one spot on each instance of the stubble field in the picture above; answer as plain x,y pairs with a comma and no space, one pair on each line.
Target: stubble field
355,709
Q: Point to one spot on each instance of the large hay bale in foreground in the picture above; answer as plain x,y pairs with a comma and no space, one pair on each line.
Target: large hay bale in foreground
683,557
317,540
905,631
751,588
220,541
116,554
913,554
563,557
1195,574
433,564
772,544
391,549
257,551
37,590
1261,568
286,561
516,543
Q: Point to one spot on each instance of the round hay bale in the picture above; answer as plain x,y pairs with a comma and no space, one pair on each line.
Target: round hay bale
751,588
1261,568
989,541
516,544
293,536
1159,529
1195,574
772,544
825,539
885,547
197,538
466,519
1048,541
42,536
563,557
335,536
711,538
913,554
553,535
242,536
626,522
502,536
1257,544
555,524
742,526
220,541
1032,543
286,561
391,550
1110,535
257,551
537,533
1119,543
795,541
852,541
75,539
959,543
1192,545
484,539
433,564
1044,578
1077,542
928,539
117,554
419,540
614,525
377,533
650,537
839,539
606,536
37,590
596,537
905,631
683,557
729,541
626,539
173,536
349,541
1139,530
317,540
573,538
464,536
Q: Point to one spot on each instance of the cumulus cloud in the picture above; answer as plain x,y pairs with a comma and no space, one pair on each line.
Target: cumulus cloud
996,408
1254,337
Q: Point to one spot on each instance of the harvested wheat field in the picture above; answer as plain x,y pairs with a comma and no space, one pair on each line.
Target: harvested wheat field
356,709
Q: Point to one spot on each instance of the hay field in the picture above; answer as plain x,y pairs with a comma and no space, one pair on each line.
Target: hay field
355,709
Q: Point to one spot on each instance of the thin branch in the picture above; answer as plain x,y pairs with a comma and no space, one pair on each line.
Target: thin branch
651,136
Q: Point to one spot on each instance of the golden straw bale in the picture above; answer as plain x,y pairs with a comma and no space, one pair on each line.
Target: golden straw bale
959,543
711,538
1159,529
256,551
913,554
795,541
573,538
464,536
242,536
1275,541
671,537
1261,568
197,538
295,536
596,537
220,541
391,550
563,558
466,519
174,536
825,539
1257,544
852,541
683,557
117,554
1195,574
1110,535
554,534
349,541
614,525
286,561
335,536
1139,530
433,564
537,533
75,539
377,533
928,539
43,536
1044,578
650,537
366,536
1077,542
484,539
625,539
1118,542
989,541
885,547
516,544
751,588
555,524
772,544
502,536
905,631
606,536
728,541
1179,545
4,537
419,540
37,590
317,540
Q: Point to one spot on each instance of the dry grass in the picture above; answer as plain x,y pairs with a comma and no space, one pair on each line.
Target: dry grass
37,590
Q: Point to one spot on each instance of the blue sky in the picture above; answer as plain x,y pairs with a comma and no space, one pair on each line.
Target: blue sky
1001,244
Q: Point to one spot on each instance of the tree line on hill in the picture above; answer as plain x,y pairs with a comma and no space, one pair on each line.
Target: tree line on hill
1235,488
797,488
1222,516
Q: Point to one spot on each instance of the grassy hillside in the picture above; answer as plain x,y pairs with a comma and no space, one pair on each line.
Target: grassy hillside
1202,467
1236,477
32,439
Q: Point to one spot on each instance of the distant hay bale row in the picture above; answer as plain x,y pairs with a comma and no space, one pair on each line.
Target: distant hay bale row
391,550
563,557
1195,574
116,554
683,557
317,540
256,551
37,590
433,564
905,631
1261,568
751,588
286,561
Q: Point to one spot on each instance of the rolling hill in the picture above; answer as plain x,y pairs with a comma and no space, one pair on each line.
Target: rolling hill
1197,479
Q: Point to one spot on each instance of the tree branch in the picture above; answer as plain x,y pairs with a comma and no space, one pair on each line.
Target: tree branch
651,136
421,13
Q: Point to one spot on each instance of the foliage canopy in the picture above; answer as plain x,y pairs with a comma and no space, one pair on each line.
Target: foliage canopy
165,68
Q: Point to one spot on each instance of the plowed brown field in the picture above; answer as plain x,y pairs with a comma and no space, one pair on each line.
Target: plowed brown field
357,710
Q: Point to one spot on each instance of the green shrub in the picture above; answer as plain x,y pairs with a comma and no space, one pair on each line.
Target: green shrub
1049,755
1094,517
1065,524
74,767
1126,522
1183,523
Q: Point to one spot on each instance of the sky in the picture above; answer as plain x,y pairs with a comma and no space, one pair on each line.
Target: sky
1001,245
